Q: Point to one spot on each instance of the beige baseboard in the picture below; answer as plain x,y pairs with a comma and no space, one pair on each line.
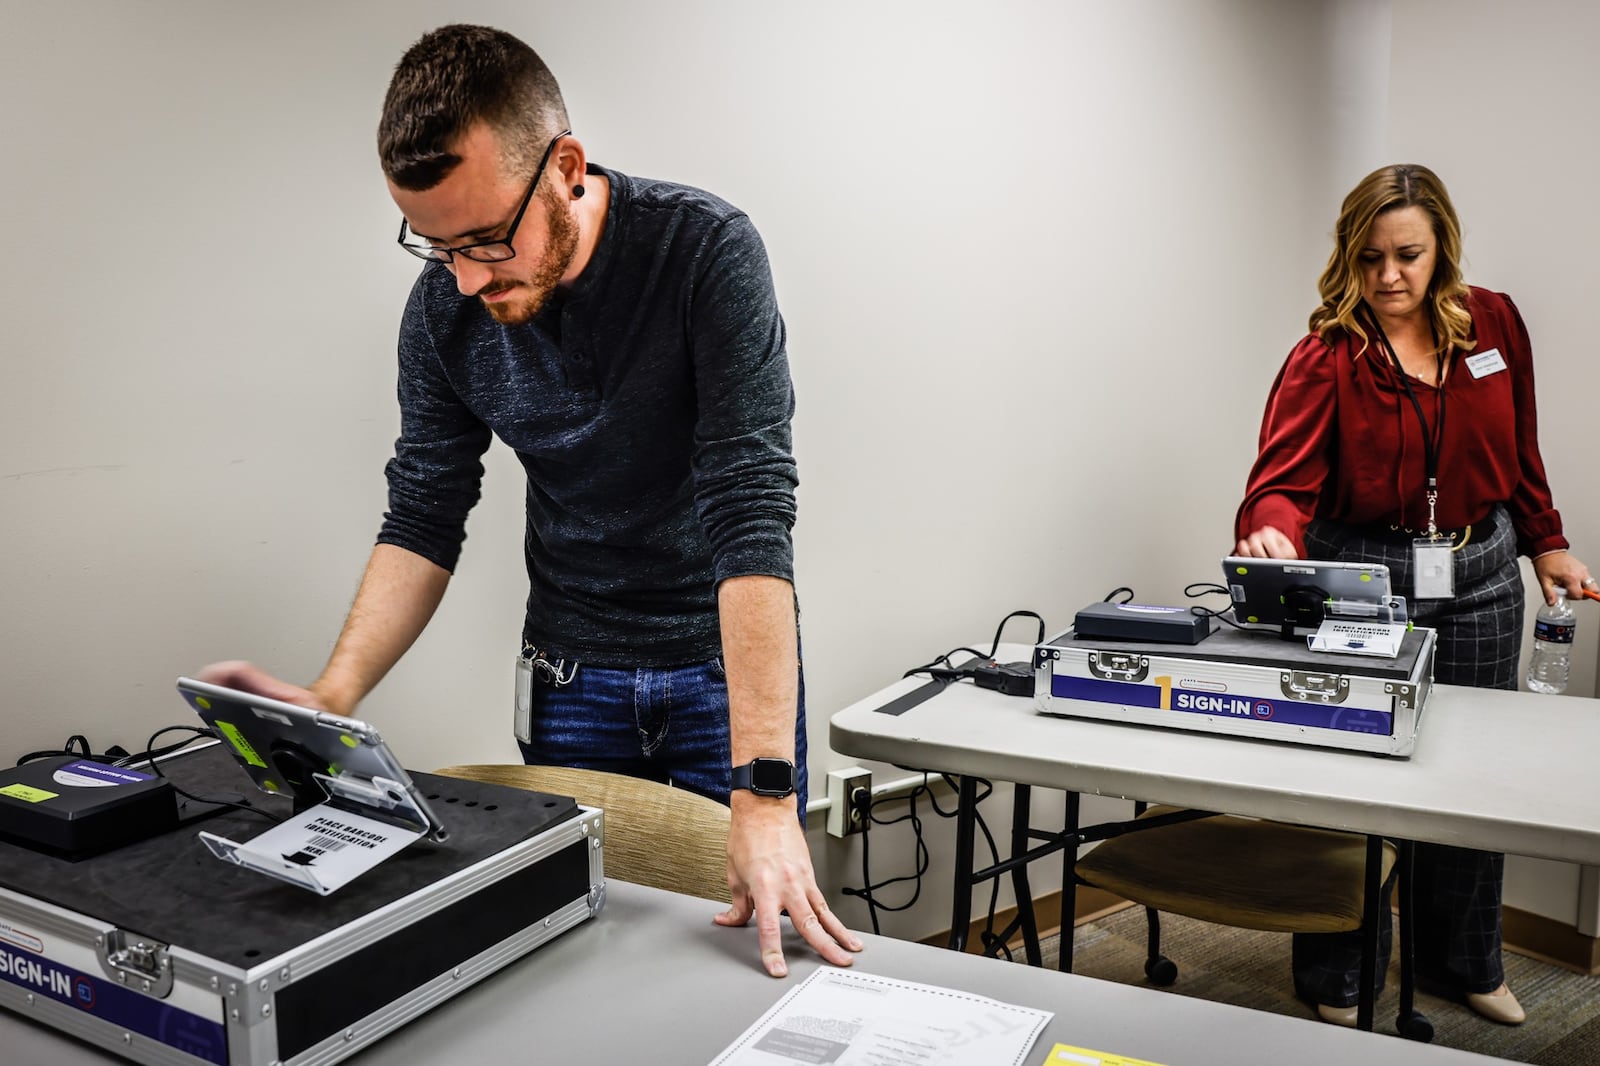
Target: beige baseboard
1550,941
1523,932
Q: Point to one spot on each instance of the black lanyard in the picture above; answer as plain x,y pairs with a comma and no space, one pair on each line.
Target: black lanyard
1432,443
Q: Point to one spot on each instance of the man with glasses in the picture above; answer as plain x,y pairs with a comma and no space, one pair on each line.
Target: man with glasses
622,336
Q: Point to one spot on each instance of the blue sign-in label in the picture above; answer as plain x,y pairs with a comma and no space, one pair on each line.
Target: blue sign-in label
1162,696
129,1010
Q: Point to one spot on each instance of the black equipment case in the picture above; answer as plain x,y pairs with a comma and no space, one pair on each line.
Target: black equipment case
161,953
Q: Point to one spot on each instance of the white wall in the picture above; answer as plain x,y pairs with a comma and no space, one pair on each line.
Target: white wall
1039,262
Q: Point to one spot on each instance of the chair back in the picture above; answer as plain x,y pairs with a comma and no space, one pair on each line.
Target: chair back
655,834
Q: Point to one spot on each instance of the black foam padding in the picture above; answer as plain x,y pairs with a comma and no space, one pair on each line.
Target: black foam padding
171,889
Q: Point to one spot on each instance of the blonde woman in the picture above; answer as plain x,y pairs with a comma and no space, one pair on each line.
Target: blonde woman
1402,430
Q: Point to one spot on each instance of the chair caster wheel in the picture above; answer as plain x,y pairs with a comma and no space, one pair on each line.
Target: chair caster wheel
1161,971
1415,1026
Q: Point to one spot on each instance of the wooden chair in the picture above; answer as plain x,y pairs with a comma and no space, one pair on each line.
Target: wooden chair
655,834
1243,872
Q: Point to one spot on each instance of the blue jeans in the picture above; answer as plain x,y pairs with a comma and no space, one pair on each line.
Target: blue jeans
666,724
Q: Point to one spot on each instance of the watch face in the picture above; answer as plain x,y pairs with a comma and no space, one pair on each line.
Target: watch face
771,777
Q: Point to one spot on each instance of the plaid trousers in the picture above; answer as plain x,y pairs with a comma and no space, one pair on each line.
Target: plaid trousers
1457,891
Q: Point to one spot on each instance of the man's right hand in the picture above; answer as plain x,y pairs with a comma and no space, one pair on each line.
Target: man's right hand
247,677
1266,543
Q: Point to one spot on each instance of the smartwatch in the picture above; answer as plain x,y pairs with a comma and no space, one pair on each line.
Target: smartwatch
766,777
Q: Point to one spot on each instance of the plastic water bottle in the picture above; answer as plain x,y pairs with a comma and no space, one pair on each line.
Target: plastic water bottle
1553,629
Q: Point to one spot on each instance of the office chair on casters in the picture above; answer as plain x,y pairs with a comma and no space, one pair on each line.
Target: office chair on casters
1247,873
655,834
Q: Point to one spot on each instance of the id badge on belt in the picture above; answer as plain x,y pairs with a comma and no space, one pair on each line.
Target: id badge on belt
534,666
522,719
1433,569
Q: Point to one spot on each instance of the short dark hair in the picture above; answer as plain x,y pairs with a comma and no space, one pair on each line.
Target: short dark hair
455,77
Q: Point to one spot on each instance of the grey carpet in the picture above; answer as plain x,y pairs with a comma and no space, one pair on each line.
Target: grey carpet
1251,969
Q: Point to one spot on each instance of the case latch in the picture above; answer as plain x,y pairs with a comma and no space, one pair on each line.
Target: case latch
1118,666
139,964
1314,687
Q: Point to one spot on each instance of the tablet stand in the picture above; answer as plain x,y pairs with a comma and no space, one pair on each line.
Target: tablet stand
327,846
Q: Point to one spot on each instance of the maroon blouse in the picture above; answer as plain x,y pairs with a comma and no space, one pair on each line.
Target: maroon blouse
1341,440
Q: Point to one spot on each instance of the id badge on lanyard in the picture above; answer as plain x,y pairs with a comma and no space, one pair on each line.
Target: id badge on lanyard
1432,569
1432,564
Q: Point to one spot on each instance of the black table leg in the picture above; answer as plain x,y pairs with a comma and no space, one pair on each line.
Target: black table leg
1411,1023
1069,886
966,826
1370,916
1021,816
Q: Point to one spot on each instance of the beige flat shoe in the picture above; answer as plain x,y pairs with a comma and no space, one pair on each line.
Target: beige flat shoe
1345,1016
1502,1008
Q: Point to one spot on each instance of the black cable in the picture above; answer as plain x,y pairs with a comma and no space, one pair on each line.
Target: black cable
951,671
995,645
869,890
940,669
153,754
1113,592
1210,588
76,746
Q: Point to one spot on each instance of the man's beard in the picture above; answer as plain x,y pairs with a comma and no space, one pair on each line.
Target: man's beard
559,252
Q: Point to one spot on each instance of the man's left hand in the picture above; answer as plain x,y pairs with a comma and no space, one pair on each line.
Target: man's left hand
769,872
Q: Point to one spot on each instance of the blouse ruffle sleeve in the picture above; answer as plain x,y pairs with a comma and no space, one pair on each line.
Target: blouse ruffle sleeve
1295,460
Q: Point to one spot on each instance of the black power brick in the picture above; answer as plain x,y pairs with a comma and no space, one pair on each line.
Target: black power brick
1009,679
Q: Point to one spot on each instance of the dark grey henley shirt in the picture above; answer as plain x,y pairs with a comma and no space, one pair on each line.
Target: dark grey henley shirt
650,406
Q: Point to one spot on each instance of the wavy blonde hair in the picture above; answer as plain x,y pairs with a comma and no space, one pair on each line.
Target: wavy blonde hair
1387,189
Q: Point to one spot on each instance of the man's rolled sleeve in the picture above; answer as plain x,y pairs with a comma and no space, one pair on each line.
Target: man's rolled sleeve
436,471
744,468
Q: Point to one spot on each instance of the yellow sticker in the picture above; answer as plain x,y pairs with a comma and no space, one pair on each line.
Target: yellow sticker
349,741
1252,618
28,794
1078,1056
202,703
271,786
1241,569
240,744
1366,577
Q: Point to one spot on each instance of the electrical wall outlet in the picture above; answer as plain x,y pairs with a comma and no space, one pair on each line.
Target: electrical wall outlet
847,789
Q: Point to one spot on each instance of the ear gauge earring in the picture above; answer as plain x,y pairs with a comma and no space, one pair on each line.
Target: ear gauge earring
577,192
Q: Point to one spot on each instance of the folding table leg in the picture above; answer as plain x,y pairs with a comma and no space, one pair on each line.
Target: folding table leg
966,826
1411,1023
1069,885
1370,914
1021,815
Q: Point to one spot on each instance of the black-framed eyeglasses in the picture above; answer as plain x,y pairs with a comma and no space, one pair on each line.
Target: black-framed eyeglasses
481,251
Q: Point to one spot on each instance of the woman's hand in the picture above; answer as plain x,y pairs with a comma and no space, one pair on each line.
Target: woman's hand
1268,543
1564,569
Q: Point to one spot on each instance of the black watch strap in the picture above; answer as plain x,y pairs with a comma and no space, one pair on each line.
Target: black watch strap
767,777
